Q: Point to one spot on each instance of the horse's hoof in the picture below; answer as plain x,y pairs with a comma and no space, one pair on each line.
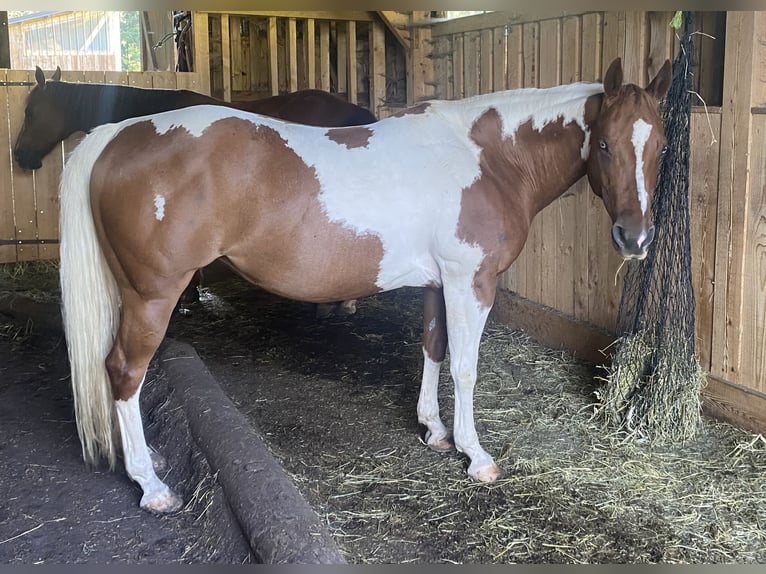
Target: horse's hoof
440,444
166,502
159,462
487,473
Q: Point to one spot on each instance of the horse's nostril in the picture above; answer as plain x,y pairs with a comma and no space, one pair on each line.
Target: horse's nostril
648,239
618,234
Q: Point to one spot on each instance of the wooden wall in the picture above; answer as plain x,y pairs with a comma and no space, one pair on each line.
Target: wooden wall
568,266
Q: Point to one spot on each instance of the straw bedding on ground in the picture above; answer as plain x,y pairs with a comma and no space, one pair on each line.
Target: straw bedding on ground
335,400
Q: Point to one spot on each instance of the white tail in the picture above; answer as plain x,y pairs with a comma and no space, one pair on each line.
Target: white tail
90,301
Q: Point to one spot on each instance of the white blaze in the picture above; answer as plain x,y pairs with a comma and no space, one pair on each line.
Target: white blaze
641,131
159,207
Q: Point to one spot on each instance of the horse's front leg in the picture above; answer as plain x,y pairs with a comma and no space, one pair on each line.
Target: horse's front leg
434,350
468,300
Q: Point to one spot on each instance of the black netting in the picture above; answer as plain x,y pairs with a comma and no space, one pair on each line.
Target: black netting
653,385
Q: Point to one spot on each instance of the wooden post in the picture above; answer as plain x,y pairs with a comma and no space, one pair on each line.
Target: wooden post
324,55
226,57
342,46
292,55
377,67
201,61
5,48
273,57
351,40
309,36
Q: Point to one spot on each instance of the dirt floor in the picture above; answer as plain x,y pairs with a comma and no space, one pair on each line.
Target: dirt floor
335,399
54,510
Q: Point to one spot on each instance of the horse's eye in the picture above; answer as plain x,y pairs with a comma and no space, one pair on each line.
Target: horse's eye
664,150
602,145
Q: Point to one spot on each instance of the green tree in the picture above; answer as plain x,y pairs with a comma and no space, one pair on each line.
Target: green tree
130,41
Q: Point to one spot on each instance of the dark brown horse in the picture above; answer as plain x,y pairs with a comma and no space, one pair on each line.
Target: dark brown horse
441,196
56,109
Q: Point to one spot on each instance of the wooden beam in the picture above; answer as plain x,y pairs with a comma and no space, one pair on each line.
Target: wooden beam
499,19
309,36
201,61
273,57
341,15
398,23
342,68
292,55
377,67
226,57
5,48
351,69
324,56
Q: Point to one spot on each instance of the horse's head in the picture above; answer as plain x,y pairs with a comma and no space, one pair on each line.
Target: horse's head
626,146
44,124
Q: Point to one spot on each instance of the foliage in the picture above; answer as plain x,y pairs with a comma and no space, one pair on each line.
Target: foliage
130,41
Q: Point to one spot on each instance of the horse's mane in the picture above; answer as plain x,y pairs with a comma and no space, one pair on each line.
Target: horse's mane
89,105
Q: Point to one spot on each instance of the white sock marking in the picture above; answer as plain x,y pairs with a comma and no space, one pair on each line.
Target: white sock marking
641,131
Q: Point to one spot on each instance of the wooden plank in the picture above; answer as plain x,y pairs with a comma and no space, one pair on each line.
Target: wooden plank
340,15
201,63
273,56
528,277
735,404
292,55
324,56
188,81
441,57
471,70
732,196
311,47
552,328
226,56
377,67
499,54
753,364
703,201
164,80
589,71
22,183
7,227
551,257
486,49
636,48
514,71
140,79
421,64
398,24
660,41
458,66
352,74
500,19
341,43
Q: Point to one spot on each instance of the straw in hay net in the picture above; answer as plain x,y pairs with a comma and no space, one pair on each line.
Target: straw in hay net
653,385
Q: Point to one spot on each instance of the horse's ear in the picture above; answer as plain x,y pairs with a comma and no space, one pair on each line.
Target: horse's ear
56,75
660,85
613,77
39,76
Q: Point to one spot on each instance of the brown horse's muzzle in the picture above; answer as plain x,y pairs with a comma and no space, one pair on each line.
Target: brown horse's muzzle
632,241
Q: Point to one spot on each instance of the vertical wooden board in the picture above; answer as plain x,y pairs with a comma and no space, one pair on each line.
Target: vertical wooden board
440,55
551,257
486,50
613,39
226,55
732,198
342,66
292,55
311,47
273,56
378,67
352,73
528,276
201,63
514,71
753,364
499,55
22,182
703,201
636,48
471,64
324,56
458,66
7,227
660,41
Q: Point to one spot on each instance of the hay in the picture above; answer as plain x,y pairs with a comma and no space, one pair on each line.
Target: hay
36,280
336,402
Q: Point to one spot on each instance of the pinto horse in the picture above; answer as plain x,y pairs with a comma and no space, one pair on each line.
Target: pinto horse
56,109
440,196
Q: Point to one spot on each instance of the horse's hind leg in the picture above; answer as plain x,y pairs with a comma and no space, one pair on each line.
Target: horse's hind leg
142,328
434,350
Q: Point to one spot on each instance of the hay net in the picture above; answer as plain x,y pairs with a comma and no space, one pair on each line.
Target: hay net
653,385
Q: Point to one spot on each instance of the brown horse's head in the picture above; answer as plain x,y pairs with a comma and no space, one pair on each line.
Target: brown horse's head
626,146
44,125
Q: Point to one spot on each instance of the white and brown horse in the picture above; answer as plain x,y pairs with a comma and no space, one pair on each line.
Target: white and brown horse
441,196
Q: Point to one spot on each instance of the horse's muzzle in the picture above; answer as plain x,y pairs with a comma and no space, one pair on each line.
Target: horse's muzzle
632,244
27,160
